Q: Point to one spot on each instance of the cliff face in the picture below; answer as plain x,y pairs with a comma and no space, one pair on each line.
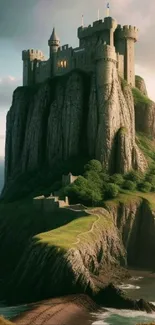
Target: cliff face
136,224
145,118
71,258
140,84
69,117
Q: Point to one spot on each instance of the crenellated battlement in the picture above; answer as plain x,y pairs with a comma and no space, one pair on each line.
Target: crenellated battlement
98,26
102,45
127,31
32,54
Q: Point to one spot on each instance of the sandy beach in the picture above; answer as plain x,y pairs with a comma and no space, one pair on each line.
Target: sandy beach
70,310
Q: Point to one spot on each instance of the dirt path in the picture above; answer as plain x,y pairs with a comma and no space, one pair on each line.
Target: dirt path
89,231
71,310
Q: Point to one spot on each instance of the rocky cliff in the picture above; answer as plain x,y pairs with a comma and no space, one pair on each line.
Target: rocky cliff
73,258
71,117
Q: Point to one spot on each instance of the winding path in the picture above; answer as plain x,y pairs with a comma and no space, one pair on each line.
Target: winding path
89,231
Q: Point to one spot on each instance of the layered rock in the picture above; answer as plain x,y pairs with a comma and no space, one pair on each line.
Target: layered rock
54,270
145,118
52,266
136,223
70,117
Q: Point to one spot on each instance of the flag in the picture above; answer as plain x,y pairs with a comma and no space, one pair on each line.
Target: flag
108,6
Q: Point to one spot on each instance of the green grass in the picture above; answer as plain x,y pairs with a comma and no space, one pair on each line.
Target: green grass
139,98
79,230
147,145
66,236
130,198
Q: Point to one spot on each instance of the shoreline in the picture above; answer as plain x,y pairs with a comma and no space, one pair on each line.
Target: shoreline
68,310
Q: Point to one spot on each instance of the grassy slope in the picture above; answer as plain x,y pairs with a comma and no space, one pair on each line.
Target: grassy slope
66,236
147,145
139,97
79,230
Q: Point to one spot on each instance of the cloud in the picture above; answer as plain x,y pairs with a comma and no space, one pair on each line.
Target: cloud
29,23
7,86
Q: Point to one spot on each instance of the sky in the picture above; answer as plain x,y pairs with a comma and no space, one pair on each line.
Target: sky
28,24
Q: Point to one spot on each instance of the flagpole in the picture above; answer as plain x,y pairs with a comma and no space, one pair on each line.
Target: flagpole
82,21
98,14
108,10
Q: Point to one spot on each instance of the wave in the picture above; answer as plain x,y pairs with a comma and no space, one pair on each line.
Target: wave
122,316
128,286
137,278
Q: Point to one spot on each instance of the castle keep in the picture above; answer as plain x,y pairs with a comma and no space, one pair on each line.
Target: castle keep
100,46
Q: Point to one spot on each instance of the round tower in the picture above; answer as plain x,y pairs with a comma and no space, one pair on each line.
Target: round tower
106,59
125,39
53,43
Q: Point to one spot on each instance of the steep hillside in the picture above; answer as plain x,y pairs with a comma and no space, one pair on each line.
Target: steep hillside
71,258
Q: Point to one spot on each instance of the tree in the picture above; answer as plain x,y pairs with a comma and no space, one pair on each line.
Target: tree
129,185
111,191
117,179
94,165
145,187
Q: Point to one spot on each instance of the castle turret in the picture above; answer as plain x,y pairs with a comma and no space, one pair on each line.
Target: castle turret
106,59
30,58
54,44
125,39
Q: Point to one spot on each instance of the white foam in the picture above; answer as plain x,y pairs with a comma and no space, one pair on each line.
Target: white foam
137,278
104,317
128,286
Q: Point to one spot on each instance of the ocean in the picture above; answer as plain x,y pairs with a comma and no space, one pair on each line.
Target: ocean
141,285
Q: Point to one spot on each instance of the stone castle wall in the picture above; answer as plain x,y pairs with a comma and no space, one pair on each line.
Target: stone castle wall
49,204
65,59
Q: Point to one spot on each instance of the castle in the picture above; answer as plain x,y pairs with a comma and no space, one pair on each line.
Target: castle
100,46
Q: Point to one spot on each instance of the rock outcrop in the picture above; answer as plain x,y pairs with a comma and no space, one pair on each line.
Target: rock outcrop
145,118
140,84
88,259
136,223
69,268
70,117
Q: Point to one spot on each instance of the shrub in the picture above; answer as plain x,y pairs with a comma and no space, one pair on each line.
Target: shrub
129,185
117,179
144,187
134,176
151,179
111,191
94,165
93,179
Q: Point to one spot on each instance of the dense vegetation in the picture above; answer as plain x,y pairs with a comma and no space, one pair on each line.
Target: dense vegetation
96,185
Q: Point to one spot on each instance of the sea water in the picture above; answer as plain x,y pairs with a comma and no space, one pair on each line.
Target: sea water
138,287
11,312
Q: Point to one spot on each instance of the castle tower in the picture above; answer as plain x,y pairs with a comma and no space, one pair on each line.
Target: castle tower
106,59
125,39
110,25
30,59
54,44
28,72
